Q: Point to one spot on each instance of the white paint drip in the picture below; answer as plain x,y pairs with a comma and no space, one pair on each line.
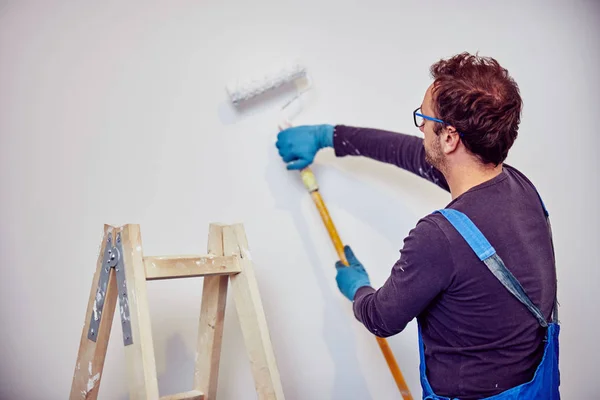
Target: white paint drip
92,382
122,305
78,366
139,248
90,368
98,298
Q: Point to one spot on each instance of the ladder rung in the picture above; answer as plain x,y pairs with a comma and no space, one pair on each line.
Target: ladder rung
172,267
191,395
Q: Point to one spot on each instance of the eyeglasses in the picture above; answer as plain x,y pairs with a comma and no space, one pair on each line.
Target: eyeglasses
420,120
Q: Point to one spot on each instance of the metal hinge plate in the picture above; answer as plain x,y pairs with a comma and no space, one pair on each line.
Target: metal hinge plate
113,258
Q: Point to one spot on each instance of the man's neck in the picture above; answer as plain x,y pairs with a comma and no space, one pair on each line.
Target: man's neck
464,176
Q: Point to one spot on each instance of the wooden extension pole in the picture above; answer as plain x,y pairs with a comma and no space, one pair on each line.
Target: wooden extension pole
309,180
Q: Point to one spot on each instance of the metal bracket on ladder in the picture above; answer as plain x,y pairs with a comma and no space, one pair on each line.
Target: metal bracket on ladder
113,258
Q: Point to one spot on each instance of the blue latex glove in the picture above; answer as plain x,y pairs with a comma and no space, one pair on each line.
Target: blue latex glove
352,277
299,145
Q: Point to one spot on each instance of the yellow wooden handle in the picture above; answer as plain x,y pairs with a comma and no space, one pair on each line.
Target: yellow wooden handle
309,180
394,368
335,238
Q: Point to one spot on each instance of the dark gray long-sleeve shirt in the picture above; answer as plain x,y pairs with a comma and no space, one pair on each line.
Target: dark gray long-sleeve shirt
479,340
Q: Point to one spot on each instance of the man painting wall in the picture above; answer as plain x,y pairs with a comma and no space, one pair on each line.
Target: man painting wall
478,275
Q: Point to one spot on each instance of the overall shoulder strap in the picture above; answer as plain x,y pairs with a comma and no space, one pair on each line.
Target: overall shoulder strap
486,253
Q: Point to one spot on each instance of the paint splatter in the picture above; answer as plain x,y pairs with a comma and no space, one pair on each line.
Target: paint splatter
123,306
430,175
92,382
96,309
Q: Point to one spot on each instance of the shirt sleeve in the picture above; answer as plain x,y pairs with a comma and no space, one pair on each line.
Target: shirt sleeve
402,150
424,270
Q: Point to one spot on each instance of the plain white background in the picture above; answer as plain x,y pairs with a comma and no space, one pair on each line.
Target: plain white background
116,113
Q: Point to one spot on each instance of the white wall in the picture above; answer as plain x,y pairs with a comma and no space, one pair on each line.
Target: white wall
115,113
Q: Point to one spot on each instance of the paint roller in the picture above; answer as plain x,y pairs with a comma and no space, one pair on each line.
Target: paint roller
240,91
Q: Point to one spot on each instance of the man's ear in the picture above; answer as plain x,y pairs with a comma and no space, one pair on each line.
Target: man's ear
450,139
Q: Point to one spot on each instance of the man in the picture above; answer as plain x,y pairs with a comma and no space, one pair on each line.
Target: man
478,275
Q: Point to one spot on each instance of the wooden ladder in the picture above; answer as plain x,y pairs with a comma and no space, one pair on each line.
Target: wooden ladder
122,272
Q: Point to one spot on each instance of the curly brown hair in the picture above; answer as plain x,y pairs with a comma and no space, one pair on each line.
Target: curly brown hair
479,98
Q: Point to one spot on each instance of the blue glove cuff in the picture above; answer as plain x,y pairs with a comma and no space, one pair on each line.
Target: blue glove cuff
326,135
357,285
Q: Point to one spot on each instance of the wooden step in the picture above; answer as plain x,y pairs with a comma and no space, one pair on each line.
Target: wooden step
191,395
172,267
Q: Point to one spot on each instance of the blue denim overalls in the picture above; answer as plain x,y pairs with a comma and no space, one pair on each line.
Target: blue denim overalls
546,380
